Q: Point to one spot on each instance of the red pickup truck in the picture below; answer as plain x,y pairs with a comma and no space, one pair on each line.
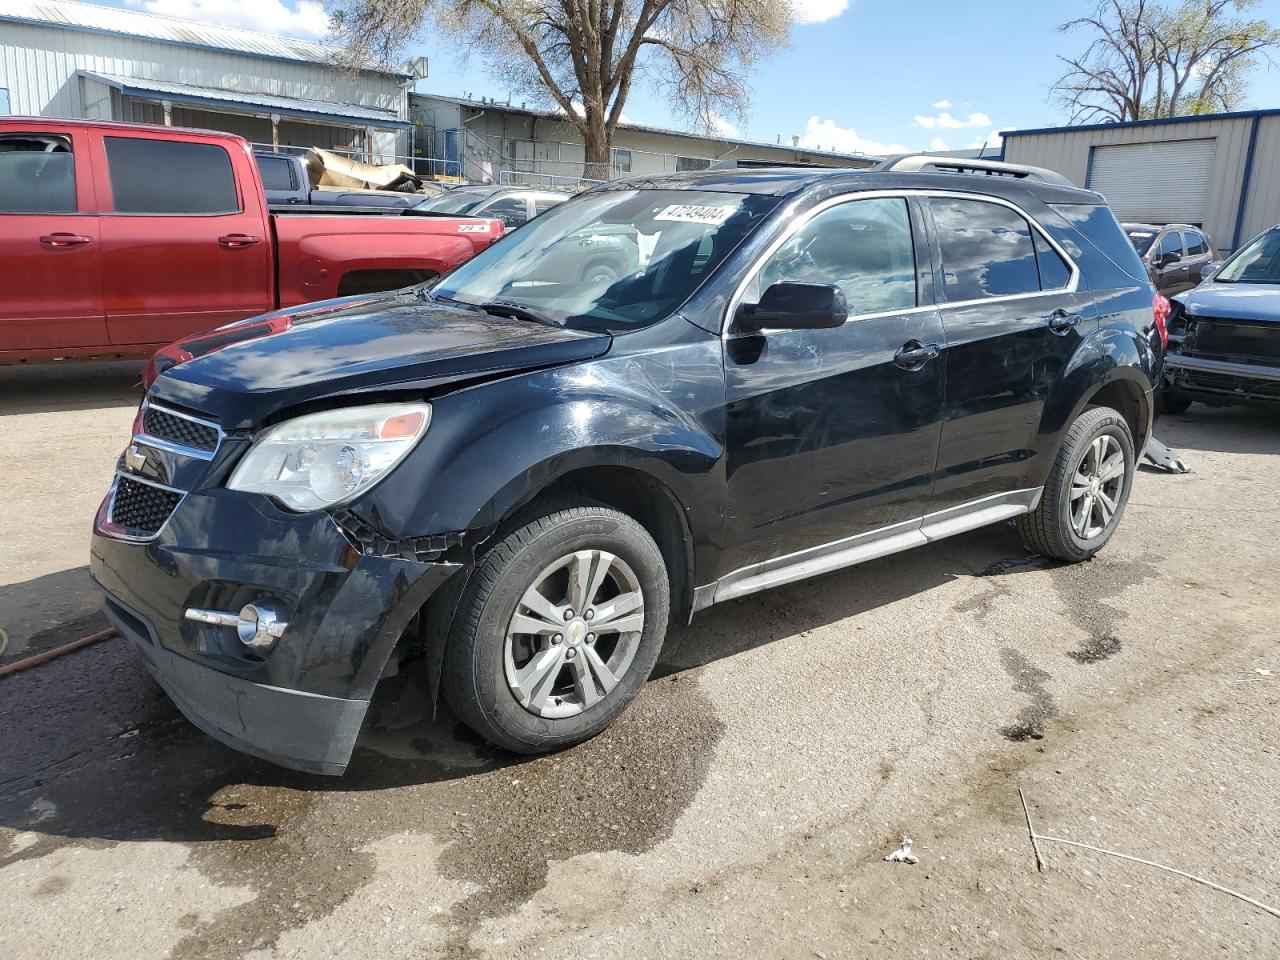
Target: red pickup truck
118,238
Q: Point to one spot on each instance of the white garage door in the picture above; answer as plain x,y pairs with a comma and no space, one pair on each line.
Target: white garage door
1155,182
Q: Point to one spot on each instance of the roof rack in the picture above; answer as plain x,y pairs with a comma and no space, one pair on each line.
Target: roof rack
751,164
923,162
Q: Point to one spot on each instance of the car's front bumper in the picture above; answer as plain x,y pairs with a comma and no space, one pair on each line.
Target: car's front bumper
301,703
1223,380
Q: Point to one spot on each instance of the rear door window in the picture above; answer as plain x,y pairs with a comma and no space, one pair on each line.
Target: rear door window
37,174
1196,244
170,177
986,248
1055,273
542,204
277,173
512,211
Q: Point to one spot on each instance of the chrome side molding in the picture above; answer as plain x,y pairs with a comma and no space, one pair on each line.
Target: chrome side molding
868,546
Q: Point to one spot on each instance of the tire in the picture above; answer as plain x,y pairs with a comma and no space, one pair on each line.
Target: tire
1174,402
1054,528
601,271
491,669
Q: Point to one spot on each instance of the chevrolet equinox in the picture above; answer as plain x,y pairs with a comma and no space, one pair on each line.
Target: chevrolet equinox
518,474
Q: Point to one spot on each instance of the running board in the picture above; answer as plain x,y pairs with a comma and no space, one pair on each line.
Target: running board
867,546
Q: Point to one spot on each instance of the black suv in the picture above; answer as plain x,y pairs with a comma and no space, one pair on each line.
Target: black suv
517,476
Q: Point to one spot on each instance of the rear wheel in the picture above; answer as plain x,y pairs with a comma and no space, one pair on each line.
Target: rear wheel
558,629
1088,487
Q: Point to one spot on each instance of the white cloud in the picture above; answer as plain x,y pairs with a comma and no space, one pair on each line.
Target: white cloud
945,121
305,18
824,134
818,11
942,105
581,111
991,141
724,128
937,143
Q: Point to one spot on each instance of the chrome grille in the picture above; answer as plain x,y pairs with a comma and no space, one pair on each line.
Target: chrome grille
142,507
184,431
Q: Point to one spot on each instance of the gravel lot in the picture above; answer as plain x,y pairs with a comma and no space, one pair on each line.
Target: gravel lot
741,808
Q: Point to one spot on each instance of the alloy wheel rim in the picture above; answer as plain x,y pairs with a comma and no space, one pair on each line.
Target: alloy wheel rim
574,634
1096,487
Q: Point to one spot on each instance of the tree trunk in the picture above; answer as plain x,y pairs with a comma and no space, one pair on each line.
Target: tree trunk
596,141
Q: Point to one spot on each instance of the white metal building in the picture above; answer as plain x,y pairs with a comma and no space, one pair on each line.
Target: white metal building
488,140
1219,171
64,59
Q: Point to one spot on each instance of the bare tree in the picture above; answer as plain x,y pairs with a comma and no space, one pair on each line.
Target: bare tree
584,56
1146,59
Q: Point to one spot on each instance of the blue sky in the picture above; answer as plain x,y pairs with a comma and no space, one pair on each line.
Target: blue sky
865,75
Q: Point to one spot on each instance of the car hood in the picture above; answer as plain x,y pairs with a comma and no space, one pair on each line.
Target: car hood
247,371
1241,301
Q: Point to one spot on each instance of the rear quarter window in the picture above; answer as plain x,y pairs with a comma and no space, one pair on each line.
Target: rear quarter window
1090,233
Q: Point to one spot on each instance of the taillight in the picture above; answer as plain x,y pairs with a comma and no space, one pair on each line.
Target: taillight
1160,309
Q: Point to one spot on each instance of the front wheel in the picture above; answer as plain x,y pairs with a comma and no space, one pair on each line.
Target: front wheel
1088,487
558,629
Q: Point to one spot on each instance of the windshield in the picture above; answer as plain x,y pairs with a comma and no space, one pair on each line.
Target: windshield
609,261
1256,262
455,201
1142,240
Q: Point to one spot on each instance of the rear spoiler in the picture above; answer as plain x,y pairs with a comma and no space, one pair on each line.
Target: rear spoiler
926,163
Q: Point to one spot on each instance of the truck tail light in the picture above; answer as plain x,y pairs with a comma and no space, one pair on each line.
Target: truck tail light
1160,309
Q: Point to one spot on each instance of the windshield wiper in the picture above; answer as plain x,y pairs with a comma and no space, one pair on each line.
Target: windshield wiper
504,308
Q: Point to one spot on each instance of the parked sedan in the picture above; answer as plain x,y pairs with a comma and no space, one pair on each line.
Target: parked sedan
1174,254
513,206
1226,332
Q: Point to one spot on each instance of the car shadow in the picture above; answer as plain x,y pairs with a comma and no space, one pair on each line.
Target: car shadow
48,611
92,749
69,385
1222,429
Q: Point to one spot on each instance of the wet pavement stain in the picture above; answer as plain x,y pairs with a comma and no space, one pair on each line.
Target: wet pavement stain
1085,588
1095,650
622,791
1028,679
299,841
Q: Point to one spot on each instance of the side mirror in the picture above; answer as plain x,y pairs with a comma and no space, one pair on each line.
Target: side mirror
1208,270
1169,259
794,306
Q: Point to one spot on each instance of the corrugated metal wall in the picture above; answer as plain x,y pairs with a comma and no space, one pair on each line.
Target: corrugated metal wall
1262,208
1068,150
38,65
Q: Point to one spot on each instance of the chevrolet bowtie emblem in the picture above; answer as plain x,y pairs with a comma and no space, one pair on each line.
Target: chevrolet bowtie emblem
134,458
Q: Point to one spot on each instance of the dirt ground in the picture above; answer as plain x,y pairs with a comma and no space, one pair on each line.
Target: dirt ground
742,807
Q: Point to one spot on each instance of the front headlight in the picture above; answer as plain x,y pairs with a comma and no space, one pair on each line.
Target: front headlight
323,459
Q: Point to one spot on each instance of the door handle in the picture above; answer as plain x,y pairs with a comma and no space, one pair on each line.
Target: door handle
1061,322
915,354
237,241
65,240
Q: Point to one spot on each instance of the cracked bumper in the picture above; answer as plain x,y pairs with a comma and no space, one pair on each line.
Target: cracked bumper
301,703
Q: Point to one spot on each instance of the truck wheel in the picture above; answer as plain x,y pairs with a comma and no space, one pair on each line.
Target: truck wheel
558,628
1087,489
1173,402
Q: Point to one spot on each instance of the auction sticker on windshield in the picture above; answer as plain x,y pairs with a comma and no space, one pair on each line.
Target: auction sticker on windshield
691,213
